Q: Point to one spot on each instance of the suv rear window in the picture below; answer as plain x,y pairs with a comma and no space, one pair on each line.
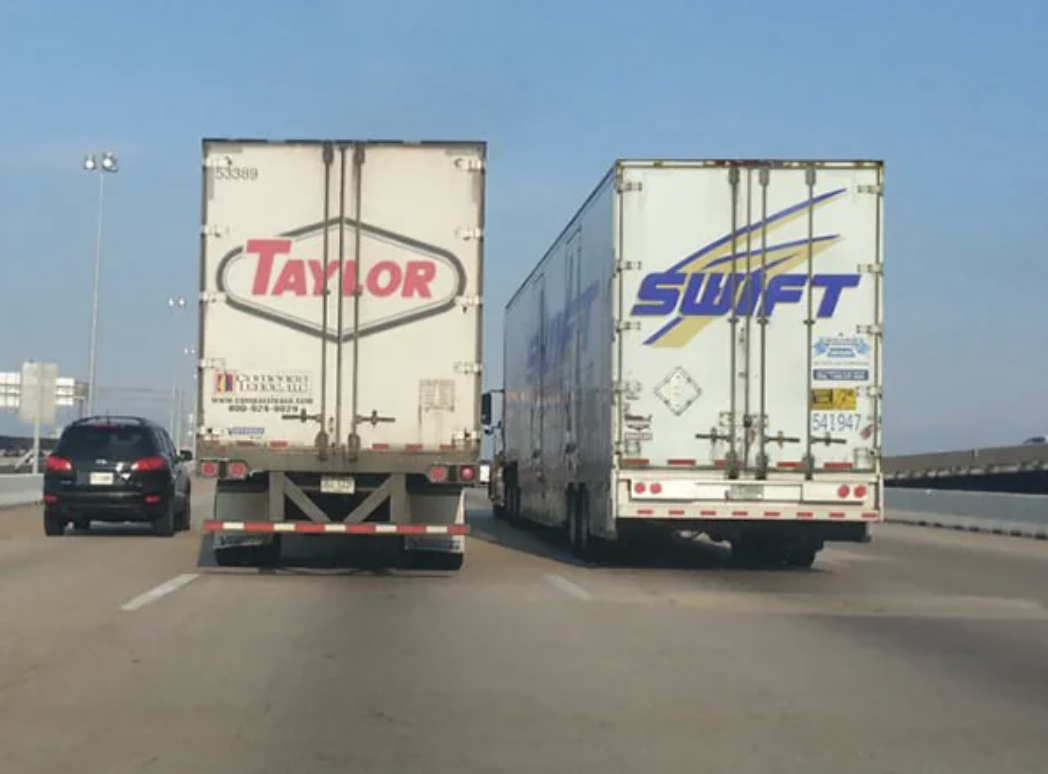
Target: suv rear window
109,443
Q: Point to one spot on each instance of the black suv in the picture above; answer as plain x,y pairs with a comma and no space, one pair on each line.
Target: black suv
116,469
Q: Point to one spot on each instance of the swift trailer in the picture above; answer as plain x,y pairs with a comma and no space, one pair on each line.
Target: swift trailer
700,352
340,343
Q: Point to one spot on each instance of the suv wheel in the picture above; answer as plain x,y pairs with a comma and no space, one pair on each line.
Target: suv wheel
54,526
165,525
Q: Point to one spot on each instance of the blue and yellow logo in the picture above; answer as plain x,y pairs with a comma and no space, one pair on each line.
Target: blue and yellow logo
703,287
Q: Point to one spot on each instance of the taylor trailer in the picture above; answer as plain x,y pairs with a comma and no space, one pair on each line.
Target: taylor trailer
340,342
700,352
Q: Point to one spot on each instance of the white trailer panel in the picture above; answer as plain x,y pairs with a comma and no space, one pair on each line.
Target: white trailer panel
341,294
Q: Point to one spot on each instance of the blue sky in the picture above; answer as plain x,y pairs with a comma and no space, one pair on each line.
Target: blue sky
951,95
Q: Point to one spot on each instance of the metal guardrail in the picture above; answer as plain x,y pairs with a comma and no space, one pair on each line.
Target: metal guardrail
21,489
998,513
970,462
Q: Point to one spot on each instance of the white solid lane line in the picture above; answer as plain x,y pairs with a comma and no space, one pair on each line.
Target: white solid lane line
160,591
568,587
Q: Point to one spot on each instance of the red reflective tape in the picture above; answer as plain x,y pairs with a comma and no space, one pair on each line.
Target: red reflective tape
838,515
871,515
278,444
838,466
740,513
689,463
380,447
645,512
412,447
245,443
635,463
707,513
447,447
772,514
676,511
788,465
805,515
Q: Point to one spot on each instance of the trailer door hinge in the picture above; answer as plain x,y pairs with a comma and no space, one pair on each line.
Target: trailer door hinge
211,363
467,234
213,230
469,302
470,164
872,268
621,266
869,330
621,326
463,367
212,297
876,190
625,186
874,392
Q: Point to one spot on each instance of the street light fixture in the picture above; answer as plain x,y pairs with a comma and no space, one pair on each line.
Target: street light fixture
103,164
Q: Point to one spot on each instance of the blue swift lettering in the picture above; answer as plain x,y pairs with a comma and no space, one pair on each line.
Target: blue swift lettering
712,295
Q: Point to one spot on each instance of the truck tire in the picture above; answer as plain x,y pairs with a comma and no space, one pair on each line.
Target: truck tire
265,555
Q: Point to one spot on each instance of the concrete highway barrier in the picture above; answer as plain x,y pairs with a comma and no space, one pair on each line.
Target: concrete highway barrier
20,489
998,513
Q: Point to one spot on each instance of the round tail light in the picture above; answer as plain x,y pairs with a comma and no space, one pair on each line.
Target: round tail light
438,474
640,487
843,490
656,488
860,491
467,474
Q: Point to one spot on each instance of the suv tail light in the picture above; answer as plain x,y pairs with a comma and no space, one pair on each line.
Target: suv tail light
149,465
58,464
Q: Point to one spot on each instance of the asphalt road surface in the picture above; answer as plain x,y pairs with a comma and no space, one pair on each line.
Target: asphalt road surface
121,652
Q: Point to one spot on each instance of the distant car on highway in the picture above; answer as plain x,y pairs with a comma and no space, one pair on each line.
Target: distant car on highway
1037,439
116,469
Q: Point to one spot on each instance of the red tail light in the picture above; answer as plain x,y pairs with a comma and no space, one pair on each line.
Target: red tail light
656,488
237,470
640,487
438,474
860,491
58,464
209,469
152,499
150,465
467,474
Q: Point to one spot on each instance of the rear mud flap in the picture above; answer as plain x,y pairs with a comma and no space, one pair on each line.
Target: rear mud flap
227,540
445,544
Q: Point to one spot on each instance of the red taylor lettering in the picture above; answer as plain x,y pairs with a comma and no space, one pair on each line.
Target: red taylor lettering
306,277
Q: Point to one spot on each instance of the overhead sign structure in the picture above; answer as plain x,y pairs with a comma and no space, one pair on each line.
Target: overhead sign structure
67,392
37,401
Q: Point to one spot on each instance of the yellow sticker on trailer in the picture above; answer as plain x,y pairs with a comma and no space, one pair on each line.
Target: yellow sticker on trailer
835,399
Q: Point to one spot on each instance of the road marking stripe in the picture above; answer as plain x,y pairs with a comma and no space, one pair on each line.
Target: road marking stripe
568,587
160,591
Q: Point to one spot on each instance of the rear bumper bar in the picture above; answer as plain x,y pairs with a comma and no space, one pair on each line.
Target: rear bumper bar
311,528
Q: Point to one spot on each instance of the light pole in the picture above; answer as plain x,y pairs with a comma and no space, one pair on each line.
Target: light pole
102,164
176,304
178,439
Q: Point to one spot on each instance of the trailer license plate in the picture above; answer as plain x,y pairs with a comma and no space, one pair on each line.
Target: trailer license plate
338,485
101,479
746,492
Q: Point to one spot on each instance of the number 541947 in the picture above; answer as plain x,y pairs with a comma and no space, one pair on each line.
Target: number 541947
835,421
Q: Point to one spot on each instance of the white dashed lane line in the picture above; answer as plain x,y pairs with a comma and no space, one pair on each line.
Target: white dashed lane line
568,587
160,591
